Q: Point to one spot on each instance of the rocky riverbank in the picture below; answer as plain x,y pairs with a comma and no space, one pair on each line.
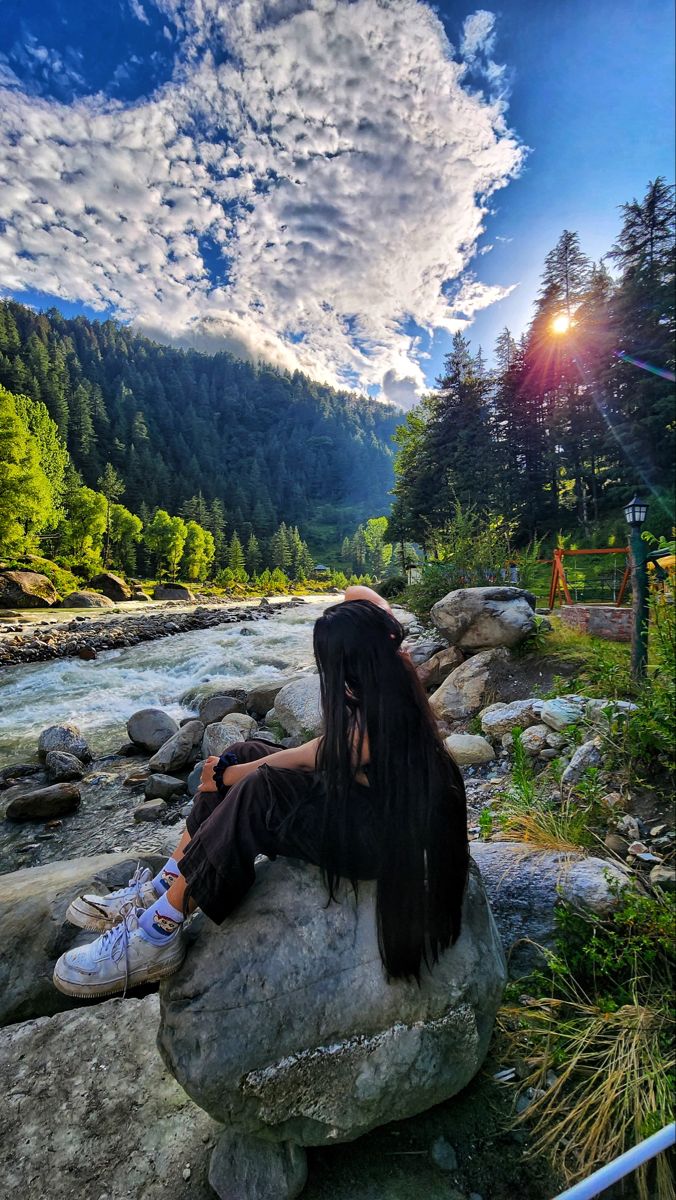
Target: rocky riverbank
84,637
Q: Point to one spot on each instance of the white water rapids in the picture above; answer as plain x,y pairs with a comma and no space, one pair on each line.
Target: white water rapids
168,673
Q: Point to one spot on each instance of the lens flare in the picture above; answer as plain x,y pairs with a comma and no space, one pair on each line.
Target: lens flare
561,324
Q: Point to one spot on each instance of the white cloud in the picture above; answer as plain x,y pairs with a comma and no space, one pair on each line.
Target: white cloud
352,183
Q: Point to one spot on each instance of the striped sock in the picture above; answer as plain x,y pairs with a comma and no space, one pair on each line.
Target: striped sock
168,875
160,921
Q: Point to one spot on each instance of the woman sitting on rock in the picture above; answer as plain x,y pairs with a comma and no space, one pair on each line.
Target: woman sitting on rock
375,797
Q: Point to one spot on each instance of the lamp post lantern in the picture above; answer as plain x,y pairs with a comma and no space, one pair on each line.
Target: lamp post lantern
635,513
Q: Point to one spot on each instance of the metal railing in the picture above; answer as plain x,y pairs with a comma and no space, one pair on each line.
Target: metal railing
624,1165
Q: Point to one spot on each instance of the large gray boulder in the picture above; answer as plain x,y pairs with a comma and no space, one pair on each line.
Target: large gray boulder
111,585
478,618
261,697
90,1111
236,727
282,1025
66,738
466,689
85,599
181,749
216,708
26,589
33,905
41,804
151,728
298,707
173,591
524,886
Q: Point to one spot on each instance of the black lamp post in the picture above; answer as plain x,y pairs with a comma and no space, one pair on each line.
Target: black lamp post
635,513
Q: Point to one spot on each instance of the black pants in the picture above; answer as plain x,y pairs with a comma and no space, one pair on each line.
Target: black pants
272,811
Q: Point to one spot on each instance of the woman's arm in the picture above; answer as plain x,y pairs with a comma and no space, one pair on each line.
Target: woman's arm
358,591
300,758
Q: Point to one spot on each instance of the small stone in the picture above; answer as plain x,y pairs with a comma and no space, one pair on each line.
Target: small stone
664,877
647,857
657,830
555,740
468,748
151,810
151,728
563,711
63,767
186,1172
548,755
137,777
534,739
616,844
629,826
163,787
443,1155
637,848
587,755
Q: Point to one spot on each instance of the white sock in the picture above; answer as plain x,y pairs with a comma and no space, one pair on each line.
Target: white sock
160,921
168,875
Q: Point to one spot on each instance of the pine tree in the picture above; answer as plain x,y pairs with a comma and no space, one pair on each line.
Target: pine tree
236,561
112,487
253,555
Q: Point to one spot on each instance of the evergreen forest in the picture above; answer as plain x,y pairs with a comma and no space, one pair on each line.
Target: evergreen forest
117,451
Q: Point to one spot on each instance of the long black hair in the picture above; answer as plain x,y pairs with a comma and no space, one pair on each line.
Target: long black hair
368,686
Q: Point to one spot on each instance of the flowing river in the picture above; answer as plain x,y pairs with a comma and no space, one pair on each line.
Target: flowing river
172,673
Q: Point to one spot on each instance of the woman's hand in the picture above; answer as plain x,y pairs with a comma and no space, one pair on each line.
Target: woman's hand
207,781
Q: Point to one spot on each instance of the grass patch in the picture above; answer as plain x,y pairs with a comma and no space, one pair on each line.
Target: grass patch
598,1039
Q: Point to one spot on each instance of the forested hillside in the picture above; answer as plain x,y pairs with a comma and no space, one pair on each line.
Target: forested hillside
234,446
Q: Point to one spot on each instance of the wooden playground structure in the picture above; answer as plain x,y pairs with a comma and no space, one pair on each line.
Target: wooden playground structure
559,583
661,563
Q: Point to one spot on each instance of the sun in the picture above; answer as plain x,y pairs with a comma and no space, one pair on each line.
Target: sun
561,324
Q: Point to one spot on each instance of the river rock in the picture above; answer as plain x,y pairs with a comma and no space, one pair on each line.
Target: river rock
26,589
63,767
163,787
41,804
524,885
151,810
219,736
33,904
301,1039
663,877
534,739
86,599
262,696
151,728
587,755
66,738
499,719
468,749
422,649
482,617
173,591
248,1168
180,750
298,707
465,690
563,711
112,586
90,1111
437,668
215,708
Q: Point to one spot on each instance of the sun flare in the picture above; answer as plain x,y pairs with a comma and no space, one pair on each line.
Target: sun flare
561,324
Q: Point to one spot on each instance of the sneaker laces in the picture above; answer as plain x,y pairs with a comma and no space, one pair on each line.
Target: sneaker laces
116,940
136,882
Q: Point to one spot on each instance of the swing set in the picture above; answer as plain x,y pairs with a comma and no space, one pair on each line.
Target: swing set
661,564
559,588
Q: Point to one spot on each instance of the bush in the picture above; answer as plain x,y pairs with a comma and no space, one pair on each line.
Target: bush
389,588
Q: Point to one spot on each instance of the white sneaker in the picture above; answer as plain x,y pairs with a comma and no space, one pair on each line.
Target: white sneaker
121,958
102,912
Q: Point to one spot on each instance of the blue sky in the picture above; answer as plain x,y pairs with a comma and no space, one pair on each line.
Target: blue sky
335,185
